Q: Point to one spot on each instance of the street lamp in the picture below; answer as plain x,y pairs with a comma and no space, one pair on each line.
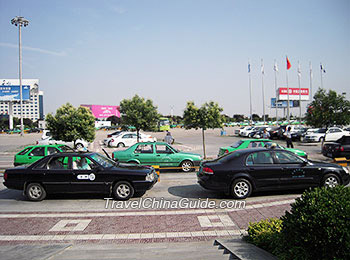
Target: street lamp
20,21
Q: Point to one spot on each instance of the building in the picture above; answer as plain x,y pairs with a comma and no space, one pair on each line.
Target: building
33,98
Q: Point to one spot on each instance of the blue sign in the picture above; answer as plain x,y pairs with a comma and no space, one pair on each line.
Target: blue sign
283,103
12,92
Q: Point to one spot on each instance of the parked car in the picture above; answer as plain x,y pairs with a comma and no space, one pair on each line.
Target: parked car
256,143
273,131
114,133
242,172
340,148
248,131
335,133
316,135
46,139
127,139
33,153
158,153
80,173
259,132
299,134
242,130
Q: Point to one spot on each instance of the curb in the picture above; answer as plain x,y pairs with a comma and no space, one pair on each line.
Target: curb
240,250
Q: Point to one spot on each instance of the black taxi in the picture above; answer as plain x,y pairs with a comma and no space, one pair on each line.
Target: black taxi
77,172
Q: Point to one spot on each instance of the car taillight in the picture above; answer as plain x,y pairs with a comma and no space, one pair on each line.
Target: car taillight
5,176
112,155
208,170
341,148
108,136
226,151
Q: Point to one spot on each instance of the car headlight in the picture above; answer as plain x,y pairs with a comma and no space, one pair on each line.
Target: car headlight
346,170
150,176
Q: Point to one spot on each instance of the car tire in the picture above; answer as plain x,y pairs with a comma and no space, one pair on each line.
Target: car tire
79,146
123,190
35,192
186,166
241,188
120,145
110,143
330,181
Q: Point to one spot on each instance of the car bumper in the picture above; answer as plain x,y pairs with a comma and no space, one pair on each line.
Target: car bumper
207,183
140,186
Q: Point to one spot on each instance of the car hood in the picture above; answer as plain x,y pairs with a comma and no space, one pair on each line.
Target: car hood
297,151
324,164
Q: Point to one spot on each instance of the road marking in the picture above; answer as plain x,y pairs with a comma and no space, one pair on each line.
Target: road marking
66,225
141,213
131,236
215,221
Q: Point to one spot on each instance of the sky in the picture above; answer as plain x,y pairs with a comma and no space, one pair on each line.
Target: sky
172,52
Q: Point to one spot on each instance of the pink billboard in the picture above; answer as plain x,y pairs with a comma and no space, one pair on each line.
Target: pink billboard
101,111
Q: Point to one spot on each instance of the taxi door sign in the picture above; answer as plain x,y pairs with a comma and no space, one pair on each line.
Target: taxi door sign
90,177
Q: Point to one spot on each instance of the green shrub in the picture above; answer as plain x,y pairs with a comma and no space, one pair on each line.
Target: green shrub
317,226
265,233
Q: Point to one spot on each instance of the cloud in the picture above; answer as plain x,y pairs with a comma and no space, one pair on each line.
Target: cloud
118,9
53,53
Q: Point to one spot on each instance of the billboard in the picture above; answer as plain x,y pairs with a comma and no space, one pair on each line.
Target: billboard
293,94
101,111
283,103
12,92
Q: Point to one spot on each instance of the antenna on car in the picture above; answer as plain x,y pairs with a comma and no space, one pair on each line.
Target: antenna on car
106,153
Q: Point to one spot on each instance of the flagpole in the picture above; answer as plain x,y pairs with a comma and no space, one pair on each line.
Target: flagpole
275,69
321,68
250,94
263,91
310,80
299,76
288,114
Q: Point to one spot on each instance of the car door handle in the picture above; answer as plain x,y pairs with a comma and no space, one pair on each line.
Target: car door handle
30,157
136,155
158,155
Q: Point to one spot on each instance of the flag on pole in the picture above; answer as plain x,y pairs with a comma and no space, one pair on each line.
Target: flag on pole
275,68
248,67
288,63
322,69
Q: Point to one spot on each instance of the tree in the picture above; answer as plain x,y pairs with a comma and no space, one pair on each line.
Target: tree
208,116
328,109
238,118
140,113
70,124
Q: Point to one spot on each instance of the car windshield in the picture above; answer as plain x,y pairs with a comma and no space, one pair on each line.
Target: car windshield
228,156
237,144
321,131
103,161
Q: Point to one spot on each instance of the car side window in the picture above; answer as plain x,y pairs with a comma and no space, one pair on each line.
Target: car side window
254,144
259,158
287,158
82,163
39,151
163,149
52,150
126,136
58,163
144,149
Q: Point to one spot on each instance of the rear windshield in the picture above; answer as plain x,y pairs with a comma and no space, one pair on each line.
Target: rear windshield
237,144
66,148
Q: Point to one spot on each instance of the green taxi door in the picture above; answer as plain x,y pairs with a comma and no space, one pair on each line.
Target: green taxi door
35,154
144,154
164,155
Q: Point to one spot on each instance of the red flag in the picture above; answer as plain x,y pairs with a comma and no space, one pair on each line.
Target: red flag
288,63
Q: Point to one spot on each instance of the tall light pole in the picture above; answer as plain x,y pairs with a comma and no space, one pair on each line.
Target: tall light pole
20,21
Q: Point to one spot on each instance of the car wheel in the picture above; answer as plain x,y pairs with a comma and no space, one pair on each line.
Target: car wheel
120,145
321,139
186,166
331,181
123,190
241,188
110,143
35,192
79,146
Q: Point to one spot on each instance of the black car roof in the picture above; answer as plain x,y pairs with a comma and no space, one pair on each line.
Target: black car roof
71,154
